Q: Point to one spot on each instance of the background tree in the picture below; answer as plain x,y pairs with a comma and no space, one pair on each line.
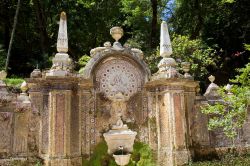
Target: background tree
12,35
89,21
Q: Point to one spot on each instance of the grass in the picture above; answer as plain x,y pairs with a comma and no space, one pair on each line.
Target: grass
13,82
227,160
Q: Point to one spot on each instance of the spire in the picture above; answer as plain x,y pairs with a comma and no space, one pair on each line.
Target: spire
62,64
165,43
62,39
167,64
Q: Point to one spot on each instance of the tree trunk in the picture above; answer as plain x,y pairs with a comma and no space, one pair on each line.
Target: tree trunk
154,4
12,35
41,19
198,15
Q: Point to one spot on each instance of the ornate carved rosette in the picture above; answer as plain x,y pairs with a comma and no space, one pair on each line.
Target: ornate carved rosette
118,76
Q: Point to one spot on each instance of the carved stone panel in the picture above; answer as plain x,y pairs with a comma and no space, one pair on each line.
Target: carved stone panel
118,75
20,134
5,133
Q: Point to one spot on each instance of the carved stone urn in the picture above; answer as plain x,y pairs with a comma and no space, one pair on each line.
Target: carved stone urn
116,33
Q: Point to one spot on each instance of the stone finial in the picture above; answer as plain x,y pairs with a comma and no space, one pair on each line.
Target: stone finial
165,43
3,75
212,90
116,33
228,89
211,78
167,64
24,87
62,39
62,64
186,68
36,73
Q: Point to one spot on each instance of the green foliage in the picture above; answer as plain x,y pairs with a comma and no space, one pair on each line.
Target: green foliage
82,62
100,156
14,82
230,114
141,156
196,52
220,23
152,58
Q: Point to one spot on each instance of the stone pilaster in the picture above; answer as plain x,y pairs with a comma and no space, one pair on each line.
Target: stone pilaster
60,119
171,119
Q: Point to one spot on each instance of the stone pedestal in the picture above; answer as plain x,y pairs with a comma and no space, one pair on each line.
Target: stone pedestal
171,114
60,141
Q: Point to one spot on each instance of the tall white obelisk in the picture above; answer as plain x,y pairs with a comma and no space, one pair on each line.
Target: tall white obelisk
167,64
165,43
62,64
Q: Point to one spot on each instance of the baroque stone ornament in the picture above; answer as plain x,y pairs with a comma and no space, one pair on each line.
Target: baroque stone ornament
167,64
3,75
186,68
62,39
212,90
165,43
36,73
118,76
228,89
23,101
116,33
5,96
62,63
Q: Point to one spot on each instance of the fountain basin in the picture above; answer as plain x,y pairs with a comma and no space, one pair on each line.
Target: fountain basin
122,159
120,138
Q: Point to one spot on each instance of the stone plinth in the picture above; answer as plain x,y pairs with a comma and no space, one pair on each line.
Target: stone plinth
56,99
171,98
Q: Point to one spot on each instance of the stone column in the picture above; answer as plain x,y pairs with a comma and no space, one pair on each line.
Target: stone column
171,119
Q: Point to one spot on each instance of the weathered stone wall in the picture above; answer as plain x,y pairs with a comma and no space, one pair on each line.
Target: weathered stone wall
207,144
169,108
19,128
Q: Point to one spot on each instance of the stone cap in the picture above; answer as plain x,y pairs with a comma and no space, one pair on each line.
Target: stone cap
172,82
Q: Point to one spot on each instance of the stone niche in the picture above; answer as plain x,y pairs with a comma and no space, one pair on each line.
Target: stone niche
116,89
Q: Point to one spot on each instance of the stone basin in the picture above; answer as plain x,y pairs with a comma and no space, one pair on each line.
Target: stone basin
122,160
120,138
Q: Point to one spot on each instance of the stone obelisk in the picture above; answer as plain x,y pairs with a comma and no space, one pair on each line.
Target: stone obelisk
165,43
62,64
167,64
62,39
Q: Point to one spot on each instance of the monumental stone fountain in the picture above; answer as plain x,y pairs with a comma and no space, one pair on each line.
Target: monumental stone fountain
61,116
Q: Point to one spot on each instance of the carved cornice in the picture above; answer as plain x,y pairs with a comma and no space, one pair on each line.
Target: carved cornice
59,83
172,83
